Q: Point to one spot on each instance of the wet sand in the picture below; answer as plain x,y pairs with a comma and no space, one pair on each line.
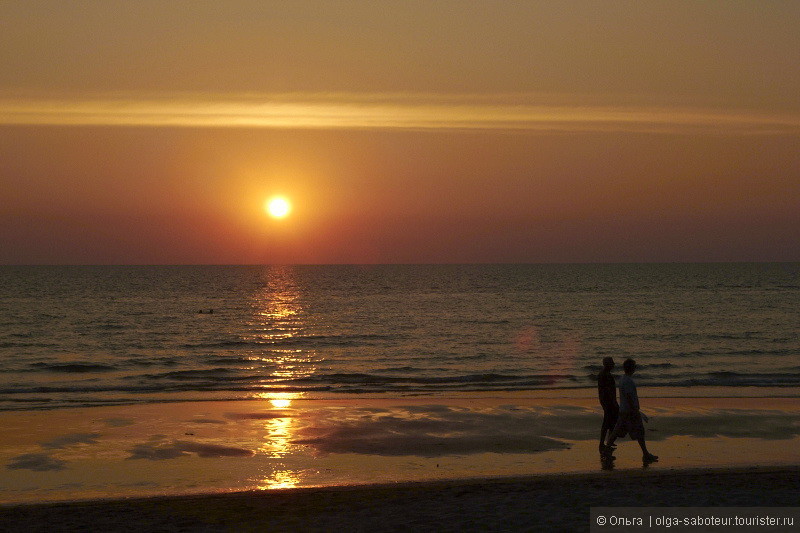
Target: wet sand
287,463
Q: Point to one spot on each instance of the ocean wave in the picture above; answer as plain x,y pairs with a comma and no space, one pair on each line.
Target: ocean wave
746,353
15,344
153,361
110,326
296,341
96,393
487,378
640,366
233,360
399,369
72,367
724,379
210,375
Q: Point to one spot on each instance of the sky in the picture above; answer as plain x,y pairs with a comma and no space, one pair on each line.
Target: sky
431,131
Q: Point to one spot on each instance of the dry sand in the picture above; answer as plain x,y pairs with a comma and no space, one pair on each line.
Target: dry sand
539,503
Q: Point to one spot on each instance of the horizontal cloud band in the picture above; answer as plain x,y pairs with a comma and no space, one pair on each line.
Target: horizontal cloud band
387,112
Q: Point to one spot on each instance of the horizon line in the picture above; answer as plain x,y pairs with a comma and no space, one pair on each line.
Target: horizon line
499,263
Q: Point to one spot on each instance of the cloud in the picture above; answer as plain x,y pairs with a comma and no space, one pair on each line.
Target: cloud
39,462
389,111
71,439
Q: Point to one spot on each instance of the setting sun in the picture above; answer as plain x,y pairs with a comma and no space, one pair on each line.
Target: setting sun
278,207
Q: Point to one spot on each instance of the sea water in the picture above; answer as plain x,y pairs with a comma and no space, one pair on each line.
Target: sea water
99,335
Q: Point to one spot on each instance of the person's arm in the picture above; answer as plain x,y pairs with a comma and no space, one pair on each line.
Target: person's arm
635,403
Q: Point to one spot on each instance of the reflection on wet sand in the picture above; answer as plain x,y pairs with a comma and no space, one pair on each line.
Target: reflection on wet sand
281,479
280,430
277,442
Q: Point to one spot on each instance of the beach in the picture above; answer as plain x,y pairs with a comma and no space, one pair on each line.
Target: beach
319,397
374,266
487,461
538,503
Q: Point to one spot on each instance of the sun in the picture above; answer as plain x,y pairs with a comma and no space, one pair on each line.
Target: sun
278,207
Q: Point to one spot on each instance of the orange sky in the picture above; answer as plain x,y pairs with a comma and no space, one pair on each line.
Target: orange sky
418,132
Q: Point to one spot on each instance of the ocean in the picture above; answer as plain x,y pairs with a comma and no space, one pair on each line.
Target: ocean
105,335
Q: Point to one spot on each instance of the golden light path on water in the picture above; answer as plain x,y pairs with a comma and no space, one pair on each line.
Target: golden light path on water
279,317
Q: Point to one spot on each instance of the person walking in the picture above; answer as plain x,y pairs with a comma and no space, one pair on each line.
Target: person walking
630,418
607,393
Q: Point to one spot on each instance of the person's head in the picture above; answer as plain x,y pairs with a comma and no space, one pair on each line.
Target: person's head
629,366
608,363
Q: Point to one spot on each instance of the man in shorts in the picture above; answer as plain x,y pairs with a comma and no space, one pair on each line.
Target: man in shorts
630,418
607,392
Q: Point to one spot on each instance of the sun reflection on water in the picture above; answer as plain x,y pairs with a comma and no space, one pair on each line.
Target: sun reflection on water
279,323
278,307
279,320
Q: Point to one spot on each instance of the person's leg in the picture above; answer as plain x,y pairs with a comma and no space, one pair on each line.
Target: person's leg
610,419
637,432
646,455
617,429
606,450
643,446
612,437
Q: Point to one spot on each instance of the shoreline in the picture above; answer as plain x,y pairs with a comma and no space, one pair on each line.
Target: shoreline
568,393
547,501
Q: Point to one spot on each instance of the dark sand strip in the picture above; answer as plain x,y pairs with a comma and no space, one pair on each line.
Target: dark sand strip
540,503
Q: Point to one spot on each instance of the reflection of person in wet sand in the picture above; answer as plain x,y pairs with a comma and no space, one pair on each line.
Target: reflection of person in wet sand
607,392
630,418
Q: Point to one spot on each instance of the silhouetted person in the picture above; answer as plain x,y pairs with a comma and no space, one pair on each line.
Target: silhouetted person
630,419
607,392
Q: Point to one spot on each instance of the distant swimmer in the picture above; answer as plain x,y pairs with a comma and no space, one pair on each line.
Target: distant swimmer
204,312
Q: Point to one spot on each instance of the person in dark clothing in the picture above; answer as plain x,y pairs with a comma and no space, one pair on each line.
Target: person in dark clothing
607,392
